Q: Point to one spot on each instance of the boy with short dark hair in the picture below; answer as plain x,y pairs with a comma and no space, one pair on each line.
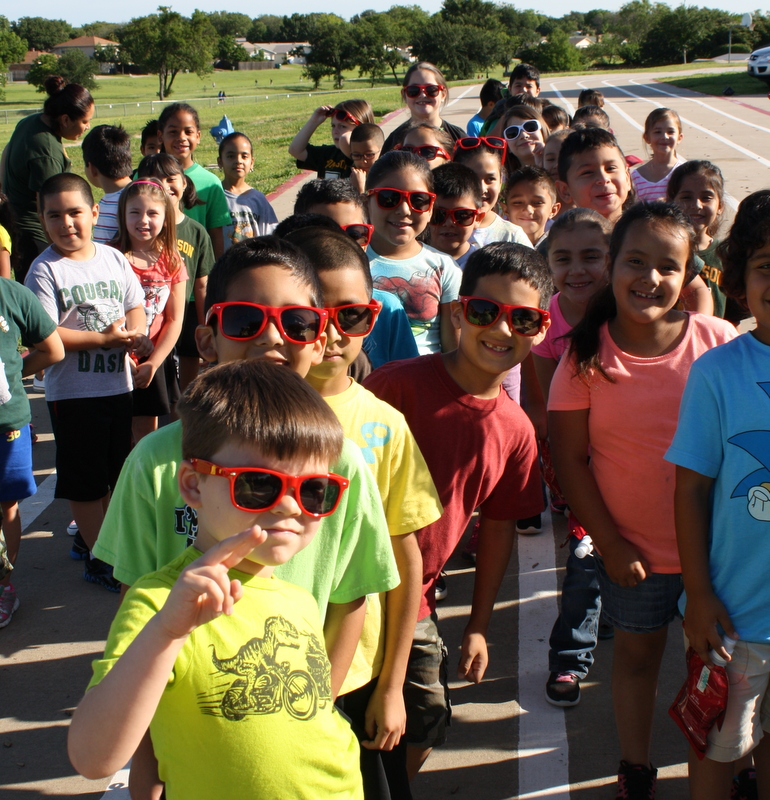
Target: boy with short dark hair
366,143
531,201
107,161
489,461
456,210
491,92
524,79
150,142
90,291
213,649
591,116
591,97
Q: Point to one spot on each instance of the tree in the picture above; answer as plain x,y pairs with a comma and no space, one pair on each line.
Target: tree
110,54
229,23
265,28
635,20
228,52
676,33
555,55
460,50
44,65
42,33
167,42
104,30
12,49
332,48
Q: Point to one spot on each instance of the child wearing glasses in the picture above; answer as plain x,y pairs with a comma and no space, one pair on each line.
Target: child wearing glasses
408,495
526,133
428,142
400,199
366,142
213,648
330,160
481,451
425,93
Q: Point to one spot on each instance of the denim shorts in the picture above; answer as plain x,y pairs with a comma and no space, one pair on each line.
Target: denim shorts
644,608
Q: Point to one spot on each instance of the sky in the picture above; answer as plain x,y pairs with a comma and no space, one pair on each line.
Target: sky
78,12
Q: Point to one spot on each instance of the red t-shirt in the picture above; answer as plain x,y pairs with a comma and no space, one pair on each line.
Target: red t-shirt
481,454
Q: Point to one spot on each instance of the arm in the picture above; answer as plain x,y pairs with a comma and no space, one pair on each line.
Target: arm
450,336
696,296
569,448
532,396
386,713
342,630
298,146
544,369
5,264
127,697
704,609
47,352
173,314
116,335
358,179
199,293
144,783
217,241
496,539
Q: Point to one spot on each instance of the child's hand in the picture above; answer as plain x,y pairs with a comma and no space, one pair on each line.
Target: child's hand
204,590
142,346
358,179
143,375
385,720
116,335
702,615
321,114
625,565
473,657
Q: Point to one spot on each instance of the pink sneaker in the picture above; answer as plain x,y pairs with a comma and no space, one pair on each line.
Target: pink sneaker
8,604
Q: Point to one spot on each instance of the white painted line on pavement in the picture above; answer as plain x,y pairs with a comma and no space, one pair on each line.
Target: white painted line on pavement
570,107
542,751
620,111
118,788
460,96
32,507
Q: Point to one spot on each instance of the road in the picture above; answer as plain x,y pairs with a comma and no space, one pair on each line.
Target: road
505,740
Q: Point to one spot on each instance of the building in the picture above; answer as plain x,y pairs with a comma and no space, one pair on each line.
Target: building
87,44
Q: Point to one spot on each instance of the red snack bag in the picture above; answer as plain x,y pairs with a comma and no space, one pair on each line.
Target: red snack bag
701,702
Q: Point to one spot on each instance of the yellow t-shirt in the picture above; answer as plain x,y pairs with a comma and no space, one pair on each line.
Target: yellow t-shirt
5,240
247,711
408,496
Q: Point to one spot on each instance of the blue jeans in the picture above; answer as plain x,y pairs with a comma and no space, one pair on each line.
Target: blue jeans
574,634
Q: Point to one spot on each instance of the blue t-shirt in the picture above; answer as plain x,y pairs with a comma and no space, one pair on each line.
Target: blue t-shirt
391,338
473,128
724,433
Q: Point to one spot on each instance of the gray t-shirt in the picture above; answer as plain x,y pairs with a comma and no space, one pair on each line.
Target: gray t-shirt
251,215
86,296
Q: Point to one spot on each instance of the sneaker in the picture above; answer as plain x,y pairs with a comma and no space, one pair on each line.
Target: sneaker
8,604
636,782
38,385
72,528
440,588
79,550
98,572
559,506
563,689
469,551
744,785
530,525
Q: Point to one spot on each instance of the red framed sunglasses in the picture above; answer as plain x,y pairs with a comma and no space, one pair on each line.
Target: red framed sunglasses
388,198
240,321
464,217
355,319
359,232
257,489
427,151
343,116
524,320
428,89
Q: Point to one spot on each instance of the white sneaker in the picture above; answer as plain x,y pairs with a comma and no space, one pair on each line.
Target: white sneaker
38,385
72,528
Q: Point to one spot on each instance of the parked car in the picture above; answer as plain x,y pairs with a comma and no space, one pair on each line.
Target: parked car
759,64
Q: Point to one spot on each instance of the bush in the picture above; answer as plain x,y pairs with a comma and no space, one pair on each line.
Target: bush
738,47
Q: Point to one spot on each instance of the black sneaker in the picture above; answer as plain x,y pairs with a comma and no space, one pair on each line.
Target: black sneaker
530,526
744,785
636,782
440,588
563,689
79,550
100,573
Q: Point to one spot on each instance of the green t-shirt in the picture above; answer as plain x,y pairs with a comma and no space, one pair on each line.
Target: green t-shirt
194,246
33,155
148,525
214,213
21,316
712,275
247,711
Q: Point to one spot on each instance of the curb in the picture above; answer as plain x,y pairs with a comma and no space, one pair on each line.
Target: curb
729,99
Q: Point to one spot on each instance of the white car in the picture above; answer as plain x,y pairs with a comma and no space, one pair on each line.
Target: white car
759,64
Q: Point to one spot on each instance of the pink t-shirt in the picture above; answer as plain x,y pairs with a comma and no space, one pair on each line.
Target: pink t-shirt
555,344
631,425
157,282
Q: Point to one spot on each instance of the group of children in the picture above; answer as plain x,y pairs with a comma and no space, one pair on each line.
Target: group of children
469,283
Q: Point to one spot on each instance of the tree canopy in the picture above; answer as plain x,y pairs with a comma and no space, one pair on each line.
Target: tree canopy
41,33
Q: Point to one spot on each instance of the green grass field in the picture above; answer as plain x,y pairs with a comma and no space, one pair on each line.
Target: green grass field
740,82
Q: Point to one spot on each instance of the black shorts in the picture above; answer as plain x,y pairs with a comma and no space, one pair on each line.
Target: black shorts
93,439
185,346
156,400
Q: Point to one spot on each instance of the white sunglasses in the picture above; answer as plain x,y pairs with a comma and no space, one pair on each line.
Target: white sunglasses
529,126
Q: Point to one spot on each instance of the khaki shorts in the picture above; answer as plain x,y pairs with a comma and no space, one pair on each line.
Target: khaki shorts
426,690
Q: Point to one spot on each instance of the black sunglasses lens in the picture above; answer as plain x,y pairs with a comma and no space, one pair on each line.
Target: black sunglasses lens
432,90
256,490
301,324
428,152
359,233
495,141
464,216
420,201
388,198
318,495
439,216
531,125
512,131
412,91
481,312
354,319
526,321
242,321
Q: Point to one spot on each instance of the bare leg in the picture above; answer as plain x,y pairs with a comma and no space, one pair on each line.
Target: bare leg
89,516
415,758
188,370
11,528
709,780
141,426
143,780
761,755
635,668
